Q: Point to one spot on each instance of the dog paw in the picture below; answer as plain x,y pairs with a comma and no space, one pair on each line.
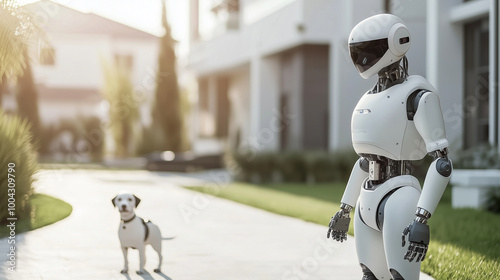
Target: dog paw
140,271
157,270
124,271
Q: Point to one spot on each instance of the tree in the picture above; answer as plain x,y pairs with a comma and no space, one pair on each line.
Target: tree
17,33
166,111
27,99
3,88
123,111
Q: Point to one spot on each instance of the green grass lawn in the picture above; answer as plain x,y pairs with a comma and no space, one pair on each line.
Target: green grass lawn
465,243
45,210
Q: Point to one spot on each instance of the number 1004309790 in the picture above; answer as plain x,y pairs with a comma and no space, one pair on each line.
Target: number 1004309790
11,191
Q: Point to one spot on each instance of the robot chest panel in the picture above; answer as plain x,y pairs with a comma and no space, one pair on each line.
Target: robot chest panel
380,126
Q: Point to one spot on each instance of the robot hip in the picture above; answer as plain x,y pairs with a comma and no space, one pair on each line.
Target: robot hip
371,200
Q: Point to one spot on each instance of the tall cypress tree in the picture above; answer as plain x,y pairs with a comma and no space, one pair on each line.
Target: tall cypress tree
166,108
27,99
3,88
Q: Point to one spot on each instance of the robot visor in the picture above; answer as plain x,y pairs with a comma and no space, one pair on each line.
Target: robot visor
366,54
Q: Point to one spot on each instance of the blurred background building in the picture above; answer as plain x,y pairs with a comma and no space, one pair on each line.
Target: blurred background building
272,75
276,75
69,73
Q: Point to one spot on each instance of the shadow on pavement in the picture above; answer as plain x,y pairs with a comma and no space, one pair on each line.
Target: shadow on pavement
164,276
147,276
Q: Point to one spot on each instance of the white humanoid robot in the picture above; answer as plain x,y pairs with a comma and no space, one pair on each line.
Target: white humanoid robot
396,122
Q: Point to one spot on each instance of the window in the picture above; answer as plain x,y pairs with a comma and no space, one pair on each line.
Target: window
476,96
125,62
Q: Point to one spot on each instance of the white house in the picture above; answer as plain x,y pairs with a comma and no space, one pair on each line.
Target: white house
277,74
69,74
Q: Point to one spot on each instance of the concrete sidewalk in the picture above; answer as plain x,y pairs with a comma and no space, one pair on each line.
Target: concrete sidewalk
214,238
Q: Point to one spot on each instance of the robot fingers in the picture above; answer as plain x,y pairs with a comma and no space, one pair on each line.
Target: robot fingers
416,251
403,236
421,252
409,252
339,236
338,227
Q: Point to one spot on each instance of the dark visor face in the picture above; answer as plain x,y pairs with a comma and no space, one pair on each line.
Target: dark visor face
366,54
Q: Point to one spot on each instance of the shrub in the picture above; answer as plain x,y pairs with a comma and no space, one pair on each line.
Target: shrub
329,167
263,165
242,163
150,140
480,157
493,201
86,139
292,166
16,147
93,134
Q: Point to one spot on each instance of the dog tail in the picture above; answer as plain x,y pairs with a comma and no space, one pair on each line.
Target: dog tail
168,238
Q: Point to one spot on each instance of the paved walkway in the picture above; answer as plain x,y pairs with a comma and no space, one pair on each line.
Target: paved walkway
214,238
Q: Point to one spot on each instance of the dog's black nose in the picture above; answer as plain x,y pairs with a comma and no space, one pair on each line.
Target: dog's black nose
124,207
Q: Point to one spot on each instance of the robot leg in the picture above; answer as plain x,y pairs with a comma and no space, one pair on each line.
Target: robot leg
399,211
370,250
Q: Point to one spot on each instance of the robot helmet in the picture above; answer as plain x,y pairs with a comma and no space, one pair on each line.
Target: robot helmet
378,42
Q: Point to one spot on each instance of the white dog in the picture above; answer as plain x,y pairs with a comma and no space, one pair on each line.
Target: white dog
136,233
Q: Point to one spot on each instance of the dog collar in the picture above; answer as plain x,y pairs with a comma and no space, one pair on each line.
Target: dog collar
127,221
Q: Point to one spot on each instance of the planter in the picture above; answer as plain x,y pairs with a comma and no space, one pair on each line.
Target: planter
471,187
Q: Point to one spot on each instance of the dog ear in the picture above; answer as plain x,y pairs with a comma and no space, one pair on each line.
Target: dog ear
113,201
137,200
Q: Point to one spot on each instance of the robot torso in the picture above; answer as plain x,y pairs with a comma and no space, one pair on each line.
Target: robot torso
381,125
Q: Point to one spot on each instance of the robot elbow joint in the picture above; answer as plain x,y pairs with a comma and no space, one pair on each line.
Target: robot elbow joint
444,167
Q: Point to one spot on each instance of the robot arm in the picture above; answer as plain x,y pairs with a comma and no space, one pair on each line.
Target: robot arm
358,175
339,224
429,123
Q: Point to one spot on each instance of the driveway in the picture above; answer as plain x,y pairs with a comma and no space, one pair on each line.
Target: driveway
209,238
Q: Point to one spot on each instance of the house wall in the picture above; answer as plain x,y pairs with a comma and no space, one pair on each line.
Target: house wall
314,97
78,65
346,85
269,39
76,62
445,65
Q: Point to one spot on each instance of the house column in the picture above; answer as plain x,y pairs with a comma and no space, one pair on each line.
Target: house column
445,65
495,73
194,19
264,115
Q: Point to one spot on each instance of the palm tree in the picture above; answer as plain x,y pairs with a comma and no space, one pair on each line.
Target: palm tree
17,32
123,110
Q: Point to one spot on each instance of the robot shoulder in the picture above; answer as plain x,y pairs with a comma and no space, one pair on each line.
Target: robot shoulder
419,87
413,101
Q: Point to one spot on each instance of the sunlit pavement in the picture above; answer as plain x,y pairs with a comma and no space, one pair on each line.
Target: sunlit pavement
214,238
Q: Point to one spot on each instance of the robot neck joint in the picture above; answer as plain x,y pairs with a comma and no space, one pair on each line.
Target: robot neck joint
391,75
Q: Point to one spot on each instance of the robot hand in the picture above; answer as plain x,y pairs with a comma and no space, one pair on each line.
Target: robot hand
419,240
339,224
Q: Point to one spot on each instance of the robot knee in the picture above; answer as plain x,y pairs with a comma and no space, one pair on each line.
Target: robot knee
395,275
367,273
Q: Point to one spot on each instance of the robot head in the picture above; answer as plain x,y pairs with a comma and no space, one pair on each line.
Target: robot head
378,42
